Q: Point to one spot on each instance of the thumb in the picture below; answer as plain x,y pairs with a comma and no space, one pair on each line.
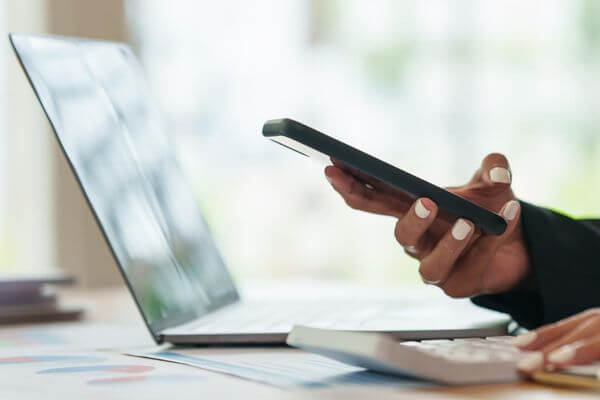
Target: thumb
490,186
494,171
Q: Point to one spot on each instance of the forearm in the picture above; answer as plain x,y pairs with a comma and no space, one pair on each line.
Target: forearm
565,269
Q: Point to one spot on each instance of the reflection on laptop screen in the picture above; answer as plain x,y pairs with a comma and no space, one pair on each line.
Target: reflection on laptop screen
96,100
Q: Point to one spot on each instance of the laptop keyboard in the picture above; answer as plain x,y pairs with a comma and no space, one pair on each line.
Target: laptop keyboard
280,317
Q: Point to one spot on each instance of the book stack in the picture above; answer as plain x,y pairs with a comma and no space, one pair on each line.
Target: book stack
34,300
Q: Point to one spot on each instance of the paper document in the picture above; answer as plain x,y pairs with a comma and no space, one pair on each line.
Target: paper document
55,361
46,374
72,336
288,368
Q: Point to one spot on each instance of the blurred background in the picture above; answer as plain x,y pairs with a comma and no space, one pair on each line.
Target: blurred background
431,86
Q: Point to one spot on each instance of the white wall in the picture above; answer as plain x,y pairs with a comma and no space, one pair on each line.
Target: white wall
27,207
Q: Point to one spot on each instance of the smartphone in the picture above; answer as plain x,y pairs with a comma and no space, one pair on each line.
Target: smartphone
376,173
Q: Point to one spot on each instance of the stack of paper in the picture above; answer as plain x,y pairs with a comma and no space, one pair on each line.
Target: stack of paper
33,300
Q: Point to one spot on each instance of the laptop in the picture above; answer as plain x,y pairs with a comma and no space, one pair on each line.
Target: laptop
96,100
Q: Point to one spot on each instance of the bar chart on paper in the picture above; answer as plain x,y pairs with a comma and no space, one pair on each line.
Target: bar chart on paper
286,368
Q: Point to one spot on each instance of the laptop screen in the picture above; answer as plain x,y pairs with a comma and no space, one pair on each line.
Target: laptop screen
95,98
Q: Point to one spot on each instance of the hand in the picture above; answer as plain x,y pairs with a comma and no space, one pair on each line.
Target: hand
453,253
574,340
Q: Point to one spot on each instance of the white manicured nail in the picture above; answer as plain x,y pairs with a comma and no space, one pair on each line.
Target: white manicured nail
431,282
531,362
411,249
524,339
510,210
461,229
563,354
420,210
499,174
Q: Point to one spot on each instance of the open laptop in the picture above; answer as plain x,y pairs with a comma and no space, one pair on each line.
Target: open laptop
95,98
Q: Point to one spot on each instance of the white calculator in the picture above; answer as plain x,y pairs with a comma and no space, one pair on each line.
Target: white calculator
458,361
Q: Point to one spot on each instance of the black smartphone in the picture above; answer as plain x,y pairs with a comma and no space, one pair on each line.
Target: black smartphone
374,172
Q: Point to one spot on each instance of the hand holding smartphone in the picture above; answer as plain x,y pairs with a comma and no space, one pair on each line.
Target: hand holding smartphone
376,173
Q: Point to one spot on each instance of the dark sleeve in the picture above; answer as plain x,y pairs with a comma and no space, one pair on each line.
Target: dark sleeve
565,279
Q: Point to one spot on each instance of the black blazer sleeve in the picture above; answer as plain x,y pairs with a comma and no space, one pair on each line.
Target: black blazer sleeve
565,258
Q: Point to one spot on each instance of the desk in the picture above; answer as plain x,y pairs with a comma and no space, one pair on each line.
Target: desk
115,310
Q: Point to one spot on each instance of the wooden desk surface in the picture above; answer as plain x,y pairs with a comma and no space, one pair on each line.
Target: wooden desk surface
115,306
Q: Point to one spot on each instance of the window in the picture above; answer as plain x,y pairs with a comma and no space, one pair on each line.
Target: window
429,86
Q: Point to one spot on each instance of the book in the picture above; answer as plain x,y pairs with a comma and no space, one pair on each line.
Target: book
34,299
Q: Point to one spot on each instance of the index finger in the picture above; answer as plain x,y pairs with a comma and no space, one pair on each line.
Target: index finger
374,182
359,197
541,337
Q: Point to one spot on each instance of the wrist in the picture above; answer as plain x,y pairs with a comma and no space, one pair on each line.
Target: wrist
528,283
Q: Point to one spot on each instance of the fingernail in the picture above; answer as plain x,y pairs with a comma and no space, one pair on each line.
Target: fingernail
531,362
411,249
328,179
461,229
500,175
563,354
524,339
431,282
420,210
510,210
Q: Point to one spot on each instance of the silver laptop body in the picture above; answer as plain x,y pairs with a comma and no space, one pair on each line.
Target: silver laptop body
95,98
